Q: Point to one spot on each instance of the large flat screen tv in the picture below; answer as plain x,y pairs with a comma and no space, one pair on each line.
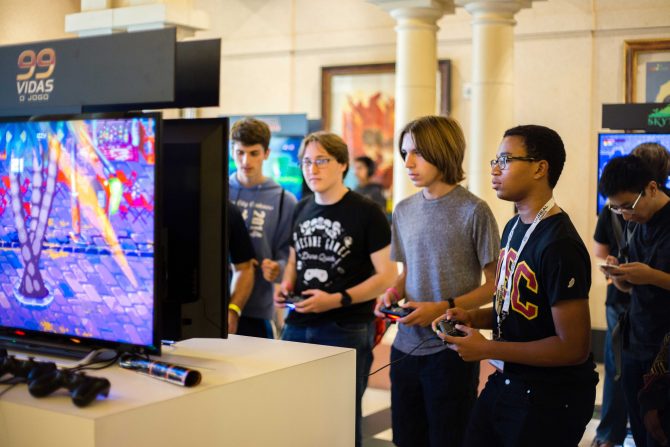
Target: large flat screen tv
78,240
611,145
194,228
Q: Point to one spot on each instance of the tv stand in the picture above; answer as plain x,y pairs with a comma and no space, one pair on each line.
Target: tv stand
247,383
82,354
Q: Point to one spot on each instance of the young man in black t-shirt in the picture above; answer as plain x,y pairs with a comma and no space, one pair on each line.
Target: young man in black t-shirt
339,260
543,391
632,190
242,261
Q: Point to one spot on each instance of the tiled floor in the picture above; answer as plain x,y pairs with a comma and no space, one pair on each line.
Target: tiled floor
377,418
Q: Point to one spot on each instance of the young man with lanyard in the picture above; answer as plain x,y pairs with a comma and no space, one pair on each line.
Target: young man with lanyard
445,237
267,210
339,260
632,190
543,391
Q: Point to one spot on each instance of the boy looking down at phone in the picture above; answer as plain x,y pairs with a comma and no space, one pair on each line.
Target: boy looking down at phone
632,191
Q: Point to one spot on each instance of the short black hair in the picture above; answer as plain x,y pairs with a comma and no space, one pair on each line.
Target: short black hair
369,164
542,143
625,174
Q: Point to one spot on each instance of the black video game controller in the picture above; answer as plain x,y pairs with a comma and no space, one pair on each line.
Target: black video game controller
26,370
448,327
83,389
395,311
291,299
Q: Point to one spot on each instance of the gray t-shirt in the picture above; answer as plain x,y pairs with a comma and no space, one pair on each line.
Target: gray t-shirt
444,243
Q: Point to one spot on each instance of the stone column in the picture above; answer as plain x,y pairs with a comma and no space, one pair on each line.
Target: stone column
416,68
492,106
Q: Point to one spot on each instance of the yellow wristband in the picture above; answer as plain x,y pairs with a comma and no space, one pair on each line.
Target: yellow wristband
235,308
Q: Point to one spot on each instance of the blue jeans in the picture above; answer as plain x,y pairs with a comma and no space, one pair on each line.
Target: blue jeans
254,327
431,398
511,412
614,416
359,336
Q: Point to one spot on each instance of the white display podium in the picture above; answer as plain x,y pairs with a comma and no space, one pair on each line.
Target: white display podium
254,392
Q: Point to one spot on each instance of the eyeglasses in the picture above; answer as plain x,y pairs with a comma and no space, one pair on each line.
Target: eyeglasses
502,161
306,163
626,209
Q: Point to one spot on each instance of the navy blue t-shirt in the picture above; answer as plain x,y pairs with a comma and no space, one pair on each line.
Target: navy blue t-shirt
554,266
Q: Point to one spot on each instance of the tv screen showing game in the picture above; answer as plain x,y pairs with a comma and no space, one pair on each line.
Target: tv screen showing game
611,145
282,165
77,231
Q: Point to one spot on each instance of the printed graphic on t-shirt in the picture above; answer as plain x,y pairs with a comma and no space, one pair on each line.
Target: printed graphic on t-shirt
254,214
321,245
524,277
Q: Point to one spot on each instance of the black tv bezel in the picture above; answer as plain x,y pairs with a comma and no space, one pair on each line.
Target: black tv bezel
598,143
41,341
194,317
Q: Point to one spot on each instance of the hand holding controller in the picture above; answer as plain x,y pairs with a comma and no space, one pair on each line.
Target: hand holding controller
291,299
395,311
448,327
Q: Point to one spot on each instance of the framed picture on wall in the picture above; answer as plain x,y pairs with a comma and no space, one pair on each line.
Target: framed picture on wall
647,77
358,103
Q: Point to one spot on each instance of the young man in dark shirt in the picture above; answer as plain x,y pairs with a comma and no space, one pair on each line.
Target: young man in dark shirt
543,391
632,191
339,260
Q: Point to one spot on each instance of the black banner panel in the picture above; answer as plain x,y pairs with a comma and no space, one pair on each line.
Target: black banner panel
78,74
652,118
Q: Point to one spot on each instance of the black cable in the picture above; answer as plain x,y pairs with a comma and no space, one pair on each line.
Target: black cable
409,353
89,366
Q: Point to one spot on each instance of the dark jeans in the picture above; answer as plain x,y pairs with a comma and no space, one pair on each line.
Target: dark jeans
612,426
359,336
254,327
431,398
514,413
632,377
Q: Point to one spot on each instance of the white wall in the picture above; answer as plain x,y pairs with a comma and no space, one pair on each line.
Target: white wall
568,61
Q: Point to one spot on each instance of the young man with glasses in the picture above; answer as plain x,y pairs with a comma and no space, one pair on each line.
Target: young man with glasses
543,390
267,210
445,237
632,191
339,260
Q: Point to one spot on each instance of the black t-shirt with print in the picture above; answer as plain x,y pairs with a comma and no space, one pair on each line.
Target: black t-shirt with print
333,244
554,266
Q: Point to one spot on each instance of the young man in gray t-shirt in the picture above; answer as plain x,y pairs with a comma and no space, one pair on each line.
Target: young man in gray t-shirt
445,237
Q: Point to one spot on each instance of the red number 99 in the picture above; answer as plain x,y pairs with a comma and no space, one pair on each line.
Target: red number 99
28,61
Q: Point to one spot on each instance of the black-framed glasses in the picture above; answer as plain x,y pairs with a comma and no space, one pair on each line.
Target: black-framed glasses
626,209
306,163
502,161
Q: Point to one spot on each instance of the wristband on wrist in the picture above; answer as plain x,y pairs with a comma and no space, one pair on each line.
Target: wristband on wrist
395,293
235,308
451,303
346,299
